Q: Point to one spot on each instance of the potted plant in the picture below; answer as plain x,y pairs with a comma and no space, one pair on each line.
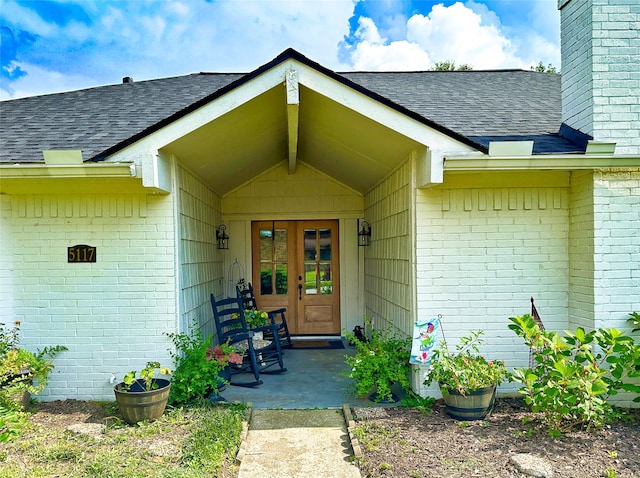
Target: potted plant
143,398
467,379
200,370
225,355
379,363
255,319
22,373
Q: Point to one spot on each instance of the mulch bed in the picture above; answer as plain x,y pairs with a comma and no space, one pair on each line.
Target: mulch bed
409,443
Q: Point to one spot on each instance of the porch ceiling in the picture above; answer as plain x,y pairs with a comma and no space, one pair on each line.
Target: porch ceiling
251,138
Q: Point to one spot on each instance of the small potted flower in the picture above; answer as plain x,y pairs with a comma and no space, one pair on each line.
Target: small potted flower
255,319
225,355
143,398
467,379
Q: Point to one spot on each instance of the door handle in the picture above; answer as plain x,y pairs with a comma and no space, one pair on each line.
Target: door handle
299,291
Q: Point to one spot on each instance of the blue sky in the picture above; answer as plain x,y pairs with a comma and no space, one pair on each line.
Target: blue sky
60,45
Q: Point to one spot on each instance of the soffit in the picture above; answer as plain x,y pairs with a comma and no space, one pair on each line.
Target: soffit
339,141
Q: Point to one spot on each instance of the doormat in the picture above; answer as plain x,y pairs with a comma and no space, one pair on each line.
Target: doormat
317,344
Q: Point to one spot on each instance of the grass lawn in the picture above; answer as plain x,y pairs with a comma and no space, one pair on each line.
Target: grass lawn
69,439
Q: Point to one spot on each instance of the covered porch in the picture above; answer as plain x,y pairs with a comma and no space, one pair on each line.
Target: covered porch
294,156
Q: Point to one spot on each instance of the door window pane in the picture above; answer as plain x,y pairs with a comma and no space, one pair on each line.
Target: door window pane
281,279
266,278
266,245
326,283
324,244
310,278
280,246
273,261
310,244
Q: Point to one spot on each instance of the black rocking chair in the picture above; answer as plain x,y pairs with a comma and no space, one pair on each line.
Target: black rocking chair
276,317
260,356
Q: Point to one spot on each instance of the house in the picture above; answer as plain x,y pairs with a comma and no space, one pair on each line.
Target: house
480,190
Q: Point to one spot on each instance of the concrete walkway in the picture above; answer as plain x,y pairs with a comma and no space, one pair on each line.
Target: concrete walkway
297,443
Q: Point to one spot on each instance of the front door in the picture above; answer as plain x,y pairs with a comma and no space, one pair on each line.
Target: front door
296,266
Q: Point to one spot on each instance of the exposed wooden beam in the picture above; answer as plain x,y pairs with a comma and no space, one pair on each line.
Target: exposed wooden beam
293,114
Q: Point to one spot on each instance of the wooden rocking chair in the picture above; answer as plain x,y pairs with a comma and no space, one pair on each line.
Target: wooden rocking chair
276,317
260,356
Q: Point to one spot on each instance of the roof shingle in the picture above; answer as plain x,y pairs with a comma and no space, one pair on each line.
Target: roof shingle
481,106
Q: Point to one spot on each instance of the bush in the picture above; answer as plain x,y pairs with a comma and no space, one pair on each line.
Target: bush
379,362
196,374
576,373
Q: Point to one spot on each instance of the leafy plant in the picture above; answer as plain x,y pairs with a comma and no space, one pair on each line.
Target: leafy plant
12,423
466,370
575,374
22,370
635,321
197,366
256,318
147,376
9,338
379,362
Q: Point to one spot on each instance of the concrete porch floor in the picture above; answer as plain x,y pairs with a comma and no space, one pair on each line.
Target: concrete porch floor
312,380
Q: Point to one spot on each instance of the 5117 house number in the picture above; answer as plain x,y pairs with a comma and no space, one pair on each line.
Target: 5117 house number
81,253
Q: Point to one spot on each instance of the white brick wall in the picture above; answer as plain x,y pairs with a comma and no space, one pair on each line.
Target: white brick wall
111,314
616,251
482,253
617,247
581,249
577,70
201,263
7,315
601,70
388,274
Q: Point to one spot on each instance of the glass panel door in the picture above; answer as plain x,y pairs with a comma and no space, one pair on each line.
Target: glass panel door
295,266
318,304
274,261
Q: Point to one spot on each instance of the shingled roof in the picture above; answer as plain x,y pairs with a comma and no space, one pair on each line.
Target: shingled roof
475,106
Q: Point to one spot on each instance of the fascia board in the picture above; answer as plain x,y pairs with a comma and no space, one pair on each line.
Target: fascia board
539,162
86,170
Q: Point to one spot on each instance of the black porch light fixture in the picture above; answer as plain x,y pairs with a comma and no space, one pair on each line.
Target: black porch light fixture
364,233
221,237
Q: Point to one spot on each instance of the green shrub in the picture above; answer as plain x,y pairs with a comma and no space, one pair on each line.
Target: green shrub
379,362
576,373
197,366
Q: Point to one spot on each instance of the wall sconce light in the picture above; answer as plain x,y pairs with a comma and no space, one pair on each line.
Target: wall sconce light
221,237
364,233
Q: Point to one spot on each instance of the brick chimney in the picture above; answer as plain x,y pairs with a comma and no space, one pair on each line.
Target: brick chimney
600,45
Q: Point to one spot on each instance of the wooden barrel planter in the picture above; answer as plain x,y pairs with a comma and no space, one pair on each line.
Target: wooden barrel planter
136,404
19,383
474,405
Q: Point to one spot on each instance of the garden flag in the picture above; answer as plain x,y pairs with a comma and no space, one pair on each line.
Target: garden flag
425,338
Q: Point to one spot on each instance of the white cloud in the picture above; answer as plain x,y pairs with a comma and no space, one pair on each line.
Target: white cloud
466,33
41,81
373,52
458,33
154,39
158,39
